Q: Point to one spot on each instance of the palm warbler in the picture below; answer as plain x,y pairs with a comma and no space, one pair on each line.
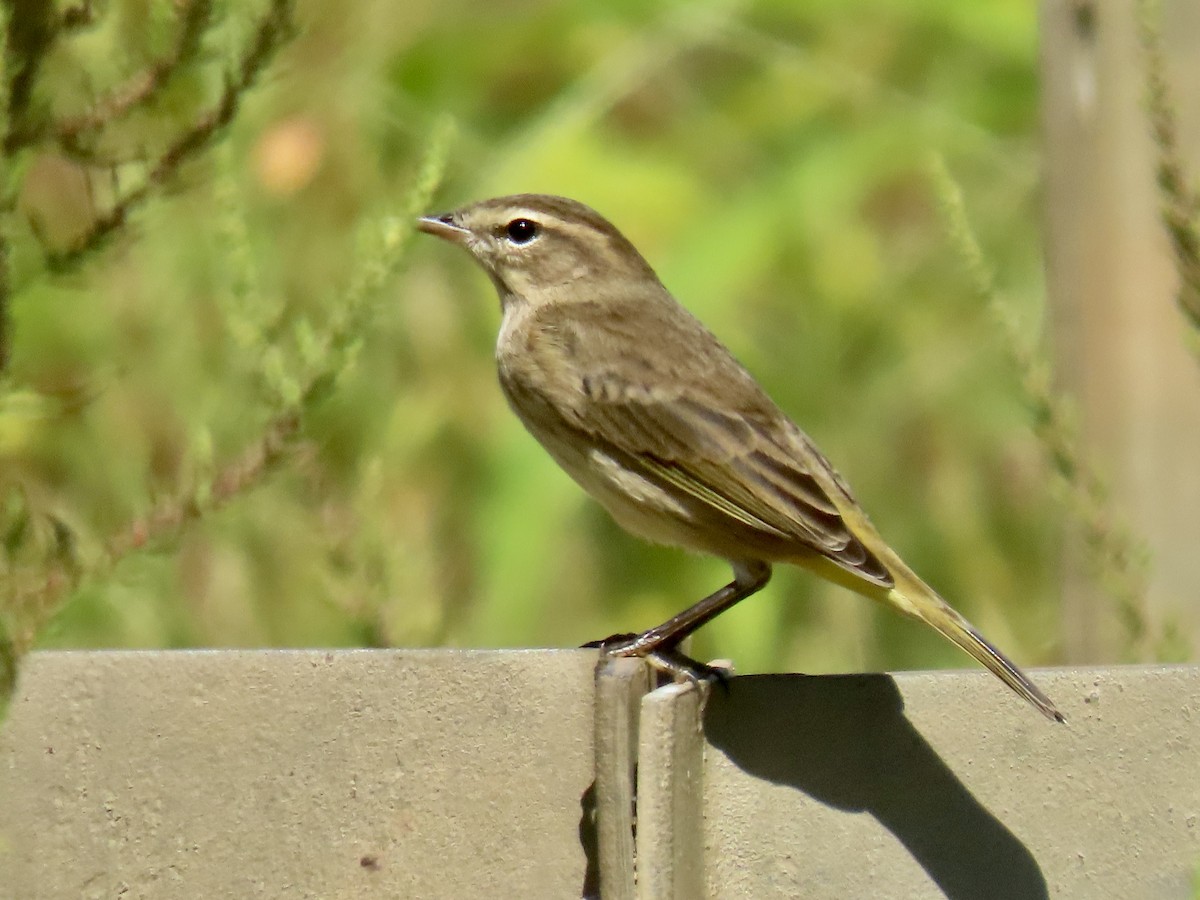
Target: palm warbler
653,417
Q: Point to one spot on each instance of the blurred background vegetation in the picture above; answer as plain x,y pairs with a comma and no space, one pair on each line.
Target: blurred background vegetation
262,413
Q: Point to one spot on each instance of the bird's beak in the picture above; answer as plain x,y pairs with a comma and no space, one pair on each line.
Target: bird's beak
444,227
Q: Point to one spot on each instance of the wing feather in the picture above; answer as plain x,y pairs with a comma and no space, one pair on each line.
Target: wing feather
689,416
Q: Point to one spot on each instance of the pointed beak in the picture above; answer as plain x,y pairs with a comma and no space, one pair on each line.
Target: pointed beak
444,227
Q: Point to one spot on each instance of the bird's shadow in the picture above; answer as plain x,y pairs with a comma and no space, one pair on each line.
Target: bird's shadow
845,742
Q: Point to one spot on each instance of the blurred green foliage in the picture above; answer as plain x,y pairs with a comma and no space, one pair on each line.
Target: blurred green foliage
770,159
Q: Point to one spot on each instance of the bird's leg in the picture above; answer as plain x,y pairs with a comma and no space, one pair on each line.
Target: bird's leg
660,642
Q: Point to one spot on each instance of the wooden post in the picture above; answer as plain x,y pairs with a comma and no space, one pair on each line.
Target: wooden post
1120,340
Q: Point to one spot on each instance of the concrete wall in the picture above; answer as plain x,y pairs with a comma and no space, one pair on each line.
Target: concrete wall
470,774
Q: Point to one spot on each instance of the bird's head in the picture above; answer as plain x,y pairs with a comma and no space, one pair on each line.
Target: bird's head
539,248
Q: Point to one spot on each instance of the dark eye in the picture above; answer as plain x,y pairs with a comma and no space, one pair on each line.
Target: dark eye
521,231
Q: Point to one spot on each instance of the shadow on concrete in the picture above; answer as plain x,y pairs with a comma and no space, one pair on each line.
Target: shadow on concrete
587,839
844,741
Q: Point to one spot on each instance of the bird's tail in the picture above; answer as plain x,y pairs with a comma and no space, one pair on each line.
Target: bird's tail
916,599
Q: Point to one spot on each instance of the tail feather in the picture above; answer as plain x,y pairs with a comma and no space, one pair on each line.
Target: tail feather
916,599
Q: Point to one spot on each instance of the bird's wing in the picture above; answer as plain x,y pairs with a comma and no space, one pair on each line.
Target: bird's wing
683,412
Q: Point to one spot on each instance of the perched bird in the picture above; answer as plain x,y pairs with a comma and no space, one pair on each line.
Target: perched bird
653,417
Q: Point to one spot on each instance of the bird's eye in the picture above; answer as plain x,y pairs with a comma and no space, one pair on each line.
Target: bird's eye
521,231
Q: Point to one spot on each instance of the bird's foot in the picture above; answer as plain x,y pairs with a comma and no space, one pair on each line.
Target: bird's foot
667,659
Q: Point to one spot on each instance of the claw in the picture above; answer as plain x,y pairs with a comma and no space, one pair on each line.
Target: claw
670,660
611,643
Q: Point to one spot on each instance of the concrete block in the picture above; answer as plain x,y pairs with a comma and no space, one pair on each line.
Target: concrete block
415,774
442,773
